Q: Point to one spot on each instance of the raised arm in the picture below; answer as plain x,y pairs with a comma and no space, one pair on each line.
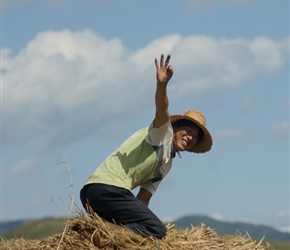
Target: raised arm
164,72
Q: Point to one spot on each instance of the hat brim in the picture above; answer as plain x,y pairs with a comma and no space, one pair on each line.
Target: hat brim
205,144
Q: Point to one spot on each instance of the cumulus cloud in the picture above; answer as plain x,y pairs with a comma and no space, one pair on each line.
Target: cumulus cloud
63,84
216,216
283,213
208,63
283,220
56,79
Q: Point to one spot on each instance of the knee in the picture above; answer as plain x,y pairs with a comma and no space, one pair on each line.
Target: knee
160,231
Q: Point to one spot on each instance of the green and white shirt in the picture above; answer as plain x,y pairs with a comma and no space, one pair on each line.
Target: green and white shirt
142,160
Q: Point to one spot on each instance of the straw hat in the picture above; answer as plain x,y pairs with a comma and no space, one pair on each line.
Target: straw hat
195,116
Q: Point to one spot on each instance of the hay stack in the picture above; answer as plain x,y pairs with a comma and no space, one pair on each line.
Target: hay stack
92,233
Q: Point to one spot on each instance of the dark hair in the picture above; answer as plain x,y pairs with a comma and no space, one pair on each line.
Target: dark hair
185,122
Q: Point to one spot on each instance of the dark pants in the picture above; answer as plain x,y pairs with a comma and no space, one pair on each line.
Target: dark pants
119,205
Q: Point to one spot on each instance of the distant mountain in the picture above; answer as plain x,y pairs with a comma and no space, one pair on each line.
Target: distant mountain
231,228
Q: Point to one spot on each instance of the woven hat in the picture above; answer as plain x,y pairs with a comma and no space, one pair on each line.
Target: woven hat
197,117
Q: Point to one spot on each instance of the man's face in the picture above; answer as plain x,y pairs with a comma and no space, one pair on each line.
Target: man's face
184,138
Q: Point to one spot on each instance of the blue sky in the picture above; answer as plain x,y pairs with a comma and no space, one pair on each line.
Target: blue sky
77,78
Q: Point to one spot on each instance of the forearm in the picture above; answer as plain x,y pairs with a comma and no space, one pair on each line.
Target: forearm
161,103
163,75
144,196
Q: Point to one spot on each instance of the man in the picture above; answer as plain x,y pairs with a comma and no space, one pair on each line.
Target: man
143,160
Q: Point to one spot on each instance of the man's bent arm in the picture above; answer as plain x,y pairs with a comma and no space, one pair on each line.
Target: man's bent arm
144,196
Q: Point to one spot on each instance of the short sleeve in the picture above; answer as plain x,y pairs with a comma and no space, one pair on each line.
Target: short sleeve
159,136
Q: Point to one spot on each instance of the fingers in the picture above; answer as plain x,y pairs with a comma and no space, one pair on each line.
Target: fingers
171,69
156,63
162,61
167,60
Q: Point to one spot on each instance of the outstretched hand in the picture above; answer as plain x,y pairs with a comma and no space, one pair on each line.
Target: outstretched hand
164,71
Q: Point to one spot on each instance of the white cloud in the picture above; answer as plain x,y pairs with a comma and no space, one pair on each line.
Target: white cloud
216,216
283,220
63,84
285,229
283,213
205,63
58,77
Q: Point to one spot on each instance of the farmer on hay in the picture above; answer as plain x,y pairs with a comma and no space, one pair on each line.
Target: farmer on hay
143,160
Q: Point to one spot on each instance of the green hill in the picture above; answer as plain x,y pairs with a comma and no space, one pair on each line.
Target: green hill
36,229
